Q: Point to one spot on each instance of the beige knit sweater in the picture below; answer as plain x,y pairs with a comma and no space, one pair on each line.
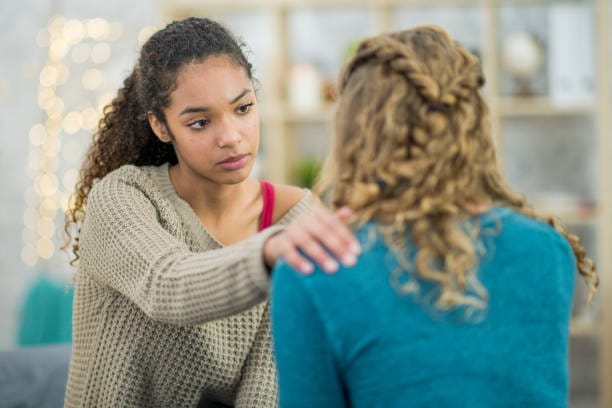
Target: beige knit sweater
163,313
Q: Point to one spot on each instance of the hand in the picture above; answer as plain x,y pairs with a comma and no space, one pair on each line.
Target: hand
321,235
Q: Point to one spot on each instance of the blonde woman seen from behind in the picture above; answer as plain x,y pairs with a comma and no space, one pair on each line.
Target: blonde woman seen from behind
463,294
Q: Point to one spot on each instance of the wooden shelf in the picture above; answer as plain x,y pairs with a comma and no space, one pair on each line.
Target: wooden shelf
279,113
179,6
508,107
537,2
539,106
575,216
582,328
251,4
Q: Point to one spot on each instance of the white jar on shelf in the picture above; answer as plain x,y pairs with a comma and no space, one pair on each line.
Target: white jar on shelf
304,88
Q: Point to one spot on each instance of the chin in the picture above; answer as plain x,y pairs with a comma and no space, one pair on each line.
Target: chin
235,177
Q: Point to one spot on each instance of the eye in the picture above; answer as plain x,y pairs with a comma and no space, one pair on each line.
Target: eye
199,124
244,109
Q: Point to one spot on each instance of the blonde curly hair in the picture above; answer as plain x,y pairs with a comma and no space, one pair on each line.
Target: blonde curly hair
413,150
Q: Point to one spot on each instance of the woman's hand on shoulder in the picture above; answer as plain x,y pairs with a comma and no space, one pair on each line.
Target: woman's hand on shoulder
321,234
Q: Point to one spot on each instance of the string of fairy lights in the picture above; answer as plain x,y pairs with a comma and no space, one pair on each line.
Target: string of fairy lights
77,49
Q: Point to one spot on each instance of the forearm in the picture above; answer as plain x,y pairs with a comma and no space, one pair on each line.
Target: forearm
124,247
190,289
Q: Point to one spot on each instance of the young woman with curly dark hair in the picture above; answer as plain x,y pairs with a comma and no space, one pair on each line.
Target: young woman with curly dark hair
174,241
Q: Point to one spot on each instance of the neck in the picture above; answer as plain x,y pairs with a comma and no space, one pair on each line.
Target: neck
207,197
478,207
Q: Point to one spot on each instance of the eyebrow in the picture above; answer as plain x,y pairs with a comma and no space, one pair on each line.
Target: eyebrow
193,109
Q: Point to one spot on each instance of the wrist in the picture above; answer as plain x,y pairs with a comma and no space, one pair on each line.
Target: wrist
269,256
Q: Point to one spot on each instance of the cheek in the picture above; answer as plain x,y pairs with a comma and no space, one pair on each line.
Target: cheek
193,146
251,129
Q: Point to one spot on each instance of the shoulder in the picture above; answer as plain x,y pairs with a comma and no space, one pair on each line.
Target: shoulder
139,177
290,202
536,235
521,224
287,196
126,174
128,184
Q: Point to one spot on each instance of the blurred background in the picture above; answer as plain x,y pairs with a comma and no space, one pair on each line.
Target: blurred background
547,65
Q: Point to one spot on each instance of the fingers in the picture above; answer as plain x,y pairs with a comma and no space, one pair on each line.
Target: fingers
293,258
281,246
337,236
344,213
322,236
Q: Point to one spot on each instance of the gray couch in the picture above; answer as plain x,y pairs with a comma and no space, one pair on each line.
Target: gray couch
34,376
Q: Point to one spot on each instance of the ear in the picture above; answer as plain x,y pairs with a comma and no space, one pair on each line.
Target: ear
159,128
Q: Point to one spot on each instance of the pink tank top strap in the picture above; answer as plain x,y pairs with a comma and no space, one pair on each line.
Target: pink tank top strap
267,191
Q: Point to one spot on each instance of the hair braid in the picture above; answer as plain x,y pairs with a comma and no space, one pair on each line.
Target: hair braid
421,90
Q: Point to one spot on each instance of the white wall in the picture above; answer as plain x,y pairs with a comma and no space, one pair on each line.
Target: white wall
21,61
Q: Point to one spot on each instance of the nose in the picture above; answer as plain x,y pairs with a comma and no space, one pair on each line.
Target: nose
229,133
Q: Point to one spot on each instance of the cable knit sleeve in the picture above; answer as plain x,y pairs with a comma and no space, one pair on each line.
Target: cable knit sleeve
124,247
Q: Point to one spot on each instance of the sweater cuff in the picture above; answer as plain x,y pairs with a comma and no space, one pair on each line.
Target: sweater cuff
257,270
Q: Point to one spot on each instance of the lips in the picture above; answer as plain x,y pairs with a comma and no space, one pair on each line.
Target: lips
233,159
234,162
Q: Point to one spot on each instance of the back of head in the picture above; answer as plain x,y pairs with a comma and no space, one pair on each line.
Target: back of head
413,126
413,151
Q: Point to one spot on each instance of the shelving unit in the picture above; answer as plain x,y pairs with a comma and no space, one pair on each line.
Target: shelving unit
280,120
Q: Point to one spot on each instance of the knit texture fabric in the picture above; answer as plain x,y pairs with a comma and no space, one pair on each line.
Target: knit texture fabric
164,315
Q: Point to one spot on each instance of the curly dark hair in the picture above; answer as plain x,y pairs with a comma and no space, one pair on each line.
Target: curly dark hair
124,135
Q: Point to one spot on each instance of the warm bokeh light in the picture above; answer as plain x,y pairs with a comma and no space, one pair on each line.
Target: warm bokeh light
37,134
46,97
97,28
73,31
73,122
48,76
47,184
70,178
28,255
58,49
56,108
90,118
56,25
51,147
45,227
81,53
145,33
69,42
49,163
100,53
30,218
45,248
63,73
104,100
49,204
92,79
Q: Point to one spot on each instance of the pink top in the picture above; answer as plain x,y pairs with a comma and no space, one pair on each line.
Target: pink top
267,190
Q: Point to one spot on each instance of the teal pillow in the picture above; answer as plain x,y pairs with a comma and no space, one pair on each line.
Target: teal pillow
46,314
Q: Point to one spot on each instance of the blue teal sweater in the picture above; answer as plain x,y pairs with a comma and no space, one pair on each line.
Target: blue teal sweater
350,340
